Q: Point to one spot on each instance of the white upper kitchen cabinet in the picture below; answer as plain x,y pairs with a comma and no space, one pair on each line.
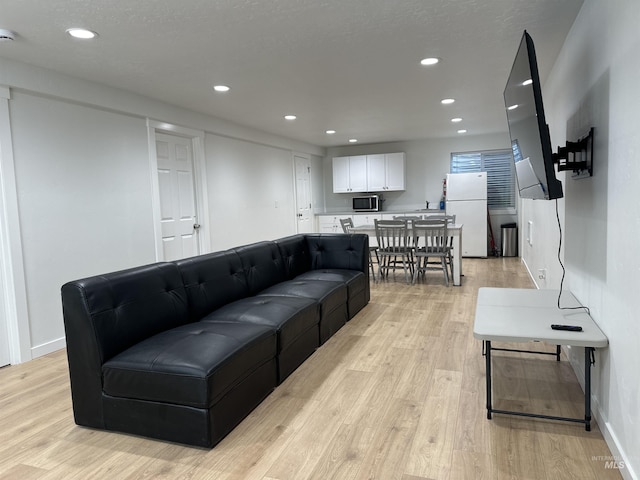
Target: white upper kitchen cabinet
350,174
376,172
386,172
395,170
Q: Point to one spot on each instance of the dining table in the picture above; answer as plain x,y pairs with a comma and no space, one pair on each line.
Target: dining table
454,230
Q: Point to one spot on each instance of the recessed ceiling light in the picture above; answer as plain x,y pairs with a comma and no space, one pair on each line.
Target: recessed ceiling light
221,88
447,101
290,117
456,120
353,140
82,33
429,61
462,131
330,132
6,35
512,107
527,82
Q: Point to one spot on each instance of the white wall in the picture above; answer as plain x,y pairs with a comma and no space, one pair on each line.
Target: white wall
82,189
84,198
595,83
254,186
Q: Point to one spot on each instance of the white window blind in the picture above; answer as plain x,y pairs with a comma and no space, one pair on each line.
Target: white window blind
500,174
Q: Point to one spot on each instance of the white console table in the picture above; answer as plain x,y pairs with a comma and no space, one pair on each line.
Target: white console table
525,315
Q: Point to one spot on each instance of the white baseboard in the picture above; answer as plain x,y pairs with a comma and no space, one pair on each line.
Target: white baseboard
618,460
533,279
49,347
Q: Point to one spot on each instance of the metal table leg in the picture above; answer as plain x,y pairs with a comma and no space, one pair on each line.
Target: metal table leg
588,355
588,361
488,369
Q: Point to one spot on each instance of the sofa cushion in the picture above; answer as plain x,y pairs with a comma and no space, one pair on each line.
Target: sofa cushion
356,282
329,294
332,297
263,265
193,365
295,319
212,281
290,317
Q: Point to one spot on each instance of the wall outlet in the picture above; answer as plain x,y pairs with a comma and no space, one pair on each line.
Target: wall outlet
542,273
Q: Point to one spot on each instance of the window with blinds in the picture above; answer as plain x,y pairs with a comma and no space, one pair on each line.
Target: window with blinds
501,192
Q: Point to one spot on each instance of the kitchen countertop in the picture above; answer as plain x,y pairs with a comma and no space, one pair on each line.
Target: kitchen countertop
392,212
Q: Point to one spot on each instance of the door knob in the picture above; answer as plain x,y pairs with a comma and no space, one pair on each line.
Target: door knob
196,226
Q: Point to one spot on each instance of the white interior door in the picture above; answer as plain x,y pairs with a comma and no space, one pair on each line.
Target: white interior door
178,215
303,194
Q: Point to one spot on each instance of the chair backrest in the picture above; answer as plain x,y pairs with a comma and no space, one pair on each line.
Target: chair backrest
451,219
392,235
432,234
346,224
408,218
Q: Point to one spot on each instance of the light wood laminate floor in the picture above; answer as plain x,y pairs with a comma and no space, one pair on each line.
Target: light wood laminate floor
398,393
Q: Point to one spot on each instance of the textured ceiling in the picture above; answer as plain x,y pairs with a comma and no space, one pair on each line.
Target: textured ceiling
348,65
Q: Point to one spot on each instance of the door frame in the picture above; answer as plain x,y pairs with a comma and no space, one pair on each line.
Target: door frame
199,180
13,289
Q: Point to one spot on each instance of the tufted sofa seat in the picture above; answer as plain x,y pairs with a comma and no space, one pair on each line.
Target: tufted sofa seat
183,351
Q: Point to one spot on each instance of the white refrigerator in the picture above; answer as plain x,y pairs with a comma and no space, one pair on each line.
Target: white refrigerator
467,200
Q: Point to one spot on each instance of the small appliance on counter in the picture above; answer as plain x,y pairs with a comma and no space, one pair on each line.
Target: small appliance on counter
366,203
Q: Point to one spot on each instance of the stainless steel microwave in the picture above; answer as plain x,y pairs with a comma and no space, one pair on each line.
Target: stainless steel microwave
366,203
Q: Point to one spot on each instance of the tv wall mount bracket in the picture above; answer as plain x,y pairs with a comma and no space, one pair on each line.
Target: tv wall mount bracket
577,157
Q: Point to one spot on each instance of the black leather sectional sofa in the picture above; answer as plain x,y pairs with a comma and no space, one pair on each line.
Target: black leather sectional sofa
183,351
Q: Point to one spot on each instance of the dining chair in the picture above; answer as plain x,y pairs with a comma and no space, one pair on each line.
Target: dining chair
347,225
451,220
431,240
394,247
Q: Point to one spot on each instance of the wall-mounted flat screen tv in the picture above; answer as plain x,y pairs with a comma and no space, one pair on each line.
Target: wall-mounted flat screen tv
528,128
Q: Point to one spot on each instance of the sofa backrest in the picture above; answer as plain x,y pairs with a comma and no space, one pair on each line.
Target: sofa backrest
212,280
262,264
348,251
295,255
122,308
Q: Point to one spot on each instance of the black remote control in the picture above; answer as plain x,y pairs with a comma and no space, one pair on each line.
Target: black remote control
570,328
